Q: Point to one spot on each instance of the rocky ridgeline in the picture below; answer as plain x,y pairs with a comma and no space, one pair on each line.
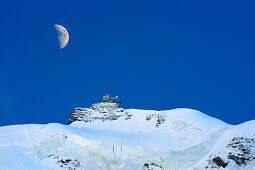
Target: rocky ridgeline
239,152
109,110
99,111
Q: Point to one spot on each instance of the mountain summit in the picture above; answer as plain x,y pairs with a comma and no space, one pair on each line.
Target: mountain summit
106,136
108,109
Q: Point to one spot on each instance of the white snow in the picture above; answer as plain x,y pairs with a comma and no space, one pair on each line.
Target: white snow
182,129
184,140
245,130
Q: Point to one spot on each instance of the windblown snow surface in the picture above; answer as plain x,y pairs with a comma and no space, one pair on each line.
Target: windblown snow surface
144,140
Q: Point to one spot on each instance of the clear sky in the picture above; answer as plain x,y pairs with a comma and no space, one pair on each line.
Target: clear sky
158,54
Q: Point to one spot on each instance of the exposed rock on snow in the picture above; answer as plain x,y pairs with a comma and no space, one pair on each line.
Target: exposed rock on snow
238,152
66,163
99,111
106,136
152,166
234,150
242,150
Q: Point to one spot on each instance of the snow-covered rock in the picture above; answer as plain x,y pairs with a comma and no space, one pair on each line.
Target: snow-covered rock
98,111
106,136
171,130
233,150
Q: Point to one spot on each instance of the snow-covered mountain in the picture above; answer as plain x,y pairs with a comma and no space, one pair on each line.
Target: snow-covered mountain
106,136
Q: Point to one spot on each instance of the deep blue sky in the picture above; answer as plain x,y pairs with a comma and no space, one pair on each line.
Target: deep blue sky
152,54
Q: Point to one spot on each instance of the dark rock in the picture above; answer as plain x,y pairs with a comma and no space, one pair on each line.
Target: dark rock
104,111
66,163
239,160
151,166
219,162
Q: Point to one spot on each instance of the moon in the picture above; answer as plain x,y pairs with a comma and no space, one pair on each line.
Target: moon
63,36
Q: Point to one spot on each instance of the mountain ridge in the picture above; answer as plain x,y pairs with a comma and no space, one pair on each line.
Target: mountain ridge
106,136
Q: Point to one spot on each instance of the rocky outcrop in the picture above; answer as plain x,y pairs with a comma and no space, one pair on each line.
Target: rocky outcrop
152,166
242,150
66,163
109,111
160,118
102,111
217,162
238,152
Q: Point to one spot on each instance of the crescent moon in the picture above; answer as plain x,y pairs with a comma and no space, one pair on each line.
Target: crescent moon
63,36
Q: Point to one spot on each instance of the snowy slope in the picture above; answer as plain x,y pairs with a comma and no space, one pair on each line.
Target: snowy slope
233,150
179,129
106,136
